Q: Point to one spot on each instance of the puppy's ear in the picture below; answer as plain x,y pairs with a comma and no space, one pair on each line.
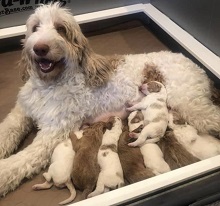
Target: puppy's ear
24,66
110,123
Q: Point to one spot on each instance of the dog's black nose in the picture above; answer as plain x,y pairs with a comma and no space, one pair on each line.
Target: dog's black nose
41,49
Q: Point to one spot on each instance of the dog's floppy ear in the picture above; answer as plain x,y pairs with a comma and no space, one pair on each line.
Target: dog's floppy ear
23,66
97,69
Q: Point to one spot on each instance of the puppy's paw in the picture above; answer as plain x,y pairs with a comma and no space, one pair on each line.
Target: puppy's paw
133,135
36,187
128,104
132,144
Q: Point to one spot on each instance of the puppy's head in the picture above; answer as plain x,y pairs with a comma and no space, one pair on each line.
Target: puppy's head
151,87
113,121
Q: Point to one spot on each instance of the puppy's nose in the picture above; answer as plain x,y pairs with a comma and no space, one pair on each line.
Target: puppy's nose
41,49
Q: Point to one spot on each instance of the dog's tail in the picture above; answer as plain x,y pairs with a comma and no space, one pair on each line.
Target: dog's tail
72,190
86,192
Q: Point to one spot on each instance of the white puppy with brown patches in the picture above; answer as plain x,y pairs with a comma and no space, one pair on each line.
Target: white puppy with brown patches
111,174
152,154
154,109
60,170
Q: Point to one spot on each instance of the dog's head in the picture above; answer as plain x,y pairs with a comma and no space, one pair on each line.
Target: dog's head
54,43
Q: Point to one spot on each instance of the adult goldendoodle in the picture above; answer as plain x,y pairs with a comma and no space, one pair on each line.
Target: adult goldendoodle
67,83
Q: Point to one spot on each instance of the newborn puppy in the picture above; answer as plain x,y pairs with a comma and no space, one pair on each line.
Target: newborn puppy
85,166
132,160
60,170
153,156
154,109
202,146
174,153
111,174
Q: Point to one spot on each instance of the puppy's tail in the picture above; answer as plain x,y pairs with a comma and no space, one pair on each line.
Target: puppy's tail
86,192
140,175
72,190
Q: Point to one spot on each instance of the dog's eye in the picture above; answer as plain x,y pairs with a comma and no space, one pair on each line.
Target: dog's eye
34,29
61,29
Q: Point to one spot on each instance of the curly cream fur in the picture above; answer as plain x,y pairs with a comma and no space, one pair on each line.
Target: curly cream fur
86,84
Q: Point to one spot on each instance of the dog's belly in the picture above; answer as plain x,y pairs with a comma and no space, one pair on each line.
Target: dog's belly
68,105
123,114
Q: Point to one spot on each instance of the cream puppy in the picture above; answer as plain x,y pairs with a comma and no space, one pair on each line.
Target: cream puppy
202,146
59,172
152,155
154,109
111,174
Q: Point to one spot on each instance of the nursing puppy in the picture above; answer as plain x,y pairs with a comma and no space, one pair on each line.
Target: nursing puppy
111,174
153,156
202,146
85,166
174,153
154,109
132,161
59,172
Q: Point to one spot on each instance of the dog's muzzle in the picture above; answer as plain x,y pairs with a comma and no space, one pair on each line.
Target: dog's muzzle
47,65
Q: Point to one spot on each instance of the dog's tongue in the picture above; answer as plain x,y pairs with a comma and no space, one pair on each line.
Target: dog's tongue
45,64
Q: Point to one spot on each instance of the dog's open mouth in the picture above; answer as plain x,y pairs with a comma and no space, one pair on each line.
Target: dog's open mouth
47,65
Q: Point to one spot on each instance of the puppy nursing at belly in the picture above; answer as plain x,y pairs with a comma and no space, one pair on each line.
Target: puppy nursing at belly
132,160
86,145
152,155
202,146
59,172
111,174
154,109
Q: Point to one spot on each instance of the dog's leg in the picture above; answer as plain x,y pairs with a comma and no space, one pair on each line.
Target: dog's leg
140,138
106,189
43,186
47,176
100,187
137,106
154,140
29,161
12,130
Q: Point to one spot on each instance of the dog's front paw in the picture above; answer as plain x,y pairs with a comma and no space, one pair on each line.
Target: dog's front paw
7,176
